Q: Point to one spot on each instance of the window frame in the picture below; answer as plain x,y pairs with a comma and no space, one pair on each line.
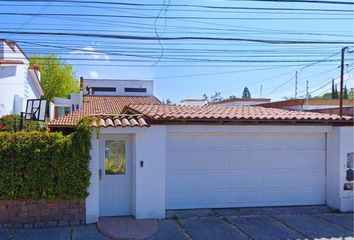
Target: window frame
125,155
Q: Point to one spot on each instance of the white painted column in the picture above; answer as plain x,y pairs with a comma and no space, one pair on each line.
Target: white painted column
150,169
92,201
339,144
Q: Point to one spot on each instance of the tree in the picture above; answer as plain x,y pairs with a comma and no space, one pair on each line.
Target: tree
168,102
351,93
214,97
232,97
246,93
345,92
57,77
333,90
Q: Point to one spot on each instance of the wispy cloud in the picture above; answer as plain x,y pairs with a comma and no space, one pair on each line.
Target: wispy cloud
93,74
92,52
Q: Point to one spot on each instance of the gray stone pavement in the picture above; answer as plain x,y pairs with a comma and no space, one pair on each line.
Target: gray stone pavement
309,222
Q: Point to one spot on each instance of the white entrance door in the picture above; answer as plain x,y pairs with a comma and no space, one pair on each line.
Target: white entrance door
206,170
115,177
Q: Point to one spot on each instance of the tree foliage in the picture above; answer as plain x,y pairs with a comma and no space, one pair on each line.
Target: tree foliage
57,77
246,93
214,97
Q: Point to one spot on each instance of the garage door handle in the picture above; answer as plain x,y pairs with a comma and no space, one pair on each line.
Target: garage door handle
100,174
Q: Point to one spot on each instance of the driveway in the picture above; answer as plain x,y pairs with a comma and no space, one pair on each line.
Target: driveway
309,222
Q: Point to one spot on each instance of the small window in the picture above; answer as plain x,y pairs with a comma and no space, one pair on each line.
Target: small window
61,111
72,107
115,159
135,90
103,89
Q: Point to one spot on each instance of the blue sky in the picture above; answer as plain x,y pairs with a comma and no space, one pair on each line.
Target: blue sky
190,68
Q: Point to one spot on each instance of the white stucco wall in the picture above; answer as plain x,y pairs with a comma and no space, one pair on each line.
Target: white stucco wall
148,181
12,83
339,143
17,83
120,85
149,146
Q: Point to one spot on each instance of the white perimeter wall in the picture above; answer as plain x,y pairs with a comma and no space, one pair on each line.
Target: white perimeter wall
339,144
149,146
148,181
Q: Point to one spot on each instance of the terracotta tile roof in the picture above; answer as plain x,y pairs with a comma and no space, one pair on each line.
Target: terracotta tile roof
8,61
100,105
231,113
120,121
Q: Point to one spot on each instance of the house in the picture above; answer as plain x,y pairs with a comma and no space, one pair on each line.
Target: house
63,106
18,81
241,101
101,87
349,111
149,158
310,104
194,102
100,96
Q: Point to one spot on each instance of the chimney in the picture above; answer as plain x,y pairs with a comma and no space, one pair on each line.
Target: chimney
81,83
37,70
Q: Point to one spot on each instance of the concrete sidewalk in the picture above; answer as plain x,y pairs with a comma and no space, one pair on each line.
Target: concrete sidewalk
309,222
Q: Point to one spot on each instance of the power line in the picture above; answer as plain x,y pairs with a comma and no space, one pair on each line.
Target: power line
172,17
180,5
149,38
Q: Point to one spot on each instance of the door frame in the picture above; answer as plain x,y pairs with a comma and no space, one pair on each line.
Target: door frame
129,155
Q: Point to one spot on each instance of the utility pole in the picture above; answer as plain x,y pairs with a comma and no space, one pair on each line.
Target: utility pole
307,94
296,84
341,81
260,95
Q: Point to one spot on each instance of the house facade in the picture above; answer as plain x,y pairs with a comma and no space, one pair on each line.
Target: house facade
150,158
320,105
241,101
18,81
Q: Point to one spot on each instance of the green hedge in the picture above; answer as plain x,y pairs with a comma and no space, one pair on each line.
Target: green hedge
42,165
8,123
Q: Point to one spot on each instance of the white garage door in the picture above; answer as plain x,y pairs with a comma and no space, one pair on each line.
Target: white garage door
234,170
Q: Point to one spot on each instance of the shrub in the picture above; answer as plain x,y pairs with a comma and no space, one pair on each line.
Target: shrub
9,123
43,165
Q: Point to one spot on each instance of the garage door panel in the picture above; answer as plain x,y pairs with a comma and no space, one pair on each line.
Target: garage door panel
215,198
235,160
273,178
305,142
254,159
235,198
235,179
244,170
196,160
304,178
273,159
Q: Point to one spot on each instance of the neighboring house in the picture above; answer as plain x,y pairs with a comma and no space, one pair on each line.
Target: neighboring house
310,104
101,87
109,87
194,102
63,106
241,101
18,82
226,102
349,111
110,98
150,158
